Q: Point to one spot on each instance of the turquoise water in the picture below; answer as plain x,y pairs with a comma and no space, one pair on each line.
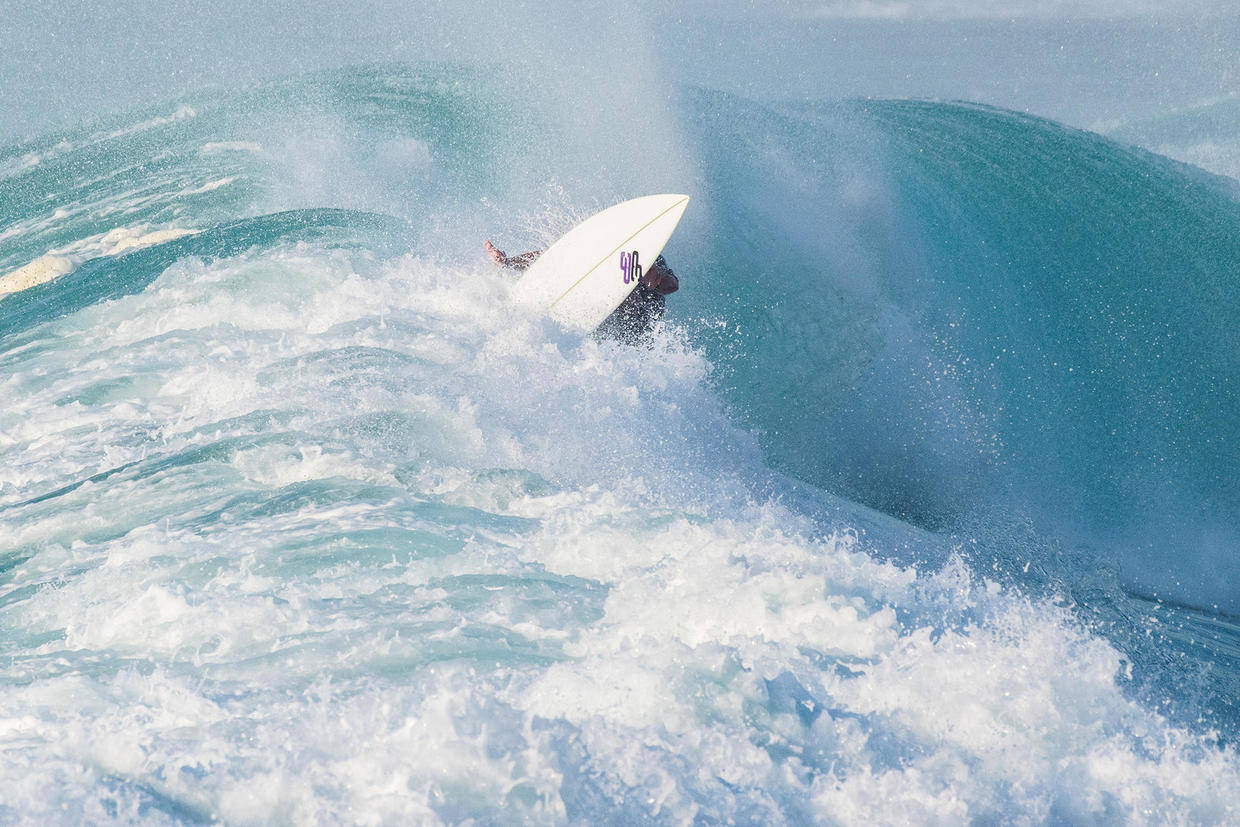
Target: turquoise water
986,318
918,508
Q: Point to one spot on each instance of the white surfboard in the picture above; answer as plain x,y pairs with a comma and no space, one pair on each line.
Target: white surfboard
589,271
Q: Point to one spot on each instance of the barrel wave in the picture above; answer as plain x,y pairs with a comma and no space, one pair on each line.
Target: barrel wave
302,521
969,317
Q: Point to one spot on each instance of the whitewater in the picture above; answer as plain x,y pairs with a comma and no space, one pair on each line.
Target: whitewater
302,522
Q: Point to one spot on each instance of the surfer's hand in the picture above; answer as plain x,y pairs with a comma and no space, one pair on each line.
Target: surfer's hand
496,254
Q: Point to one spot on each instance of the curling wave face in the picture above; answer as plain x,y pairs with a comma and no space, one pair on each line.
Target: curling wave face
973,319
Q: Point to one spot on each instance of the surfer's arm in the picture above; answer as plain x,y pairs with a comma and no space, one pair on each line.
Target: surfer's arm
501,259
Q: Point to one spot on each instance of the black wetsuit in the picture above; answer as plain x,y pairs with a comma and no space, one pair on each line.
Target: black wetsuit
633,320
637,315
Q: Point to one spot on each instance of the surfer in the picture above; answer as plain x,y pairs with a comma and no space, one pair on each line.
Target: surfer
636,316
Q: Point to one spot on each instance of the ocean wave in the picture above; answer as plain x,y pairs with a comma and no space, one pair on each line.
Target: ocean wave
181,113
989,319
299,518
322,509
63,261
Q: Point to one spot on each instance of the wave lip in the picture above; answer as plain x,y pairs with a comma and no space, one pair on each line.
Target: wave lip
61,262
40,271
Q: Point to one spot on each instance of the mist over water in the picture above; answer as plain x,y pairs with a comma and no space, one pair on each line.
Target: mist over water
300,521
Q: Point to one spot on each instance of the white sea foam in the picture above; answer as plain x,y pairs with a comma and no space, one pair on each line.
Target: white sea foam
29,160
209,186
368,545
181,113
219,147
64,260
43,269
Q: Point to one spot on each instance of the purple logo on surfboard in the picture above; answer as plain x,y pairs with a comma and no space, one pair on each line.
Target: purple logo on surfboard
630,267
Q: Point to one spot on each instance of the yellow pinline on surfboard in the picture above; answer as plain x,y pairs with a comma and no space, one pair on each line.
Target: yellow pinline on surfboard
603,260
